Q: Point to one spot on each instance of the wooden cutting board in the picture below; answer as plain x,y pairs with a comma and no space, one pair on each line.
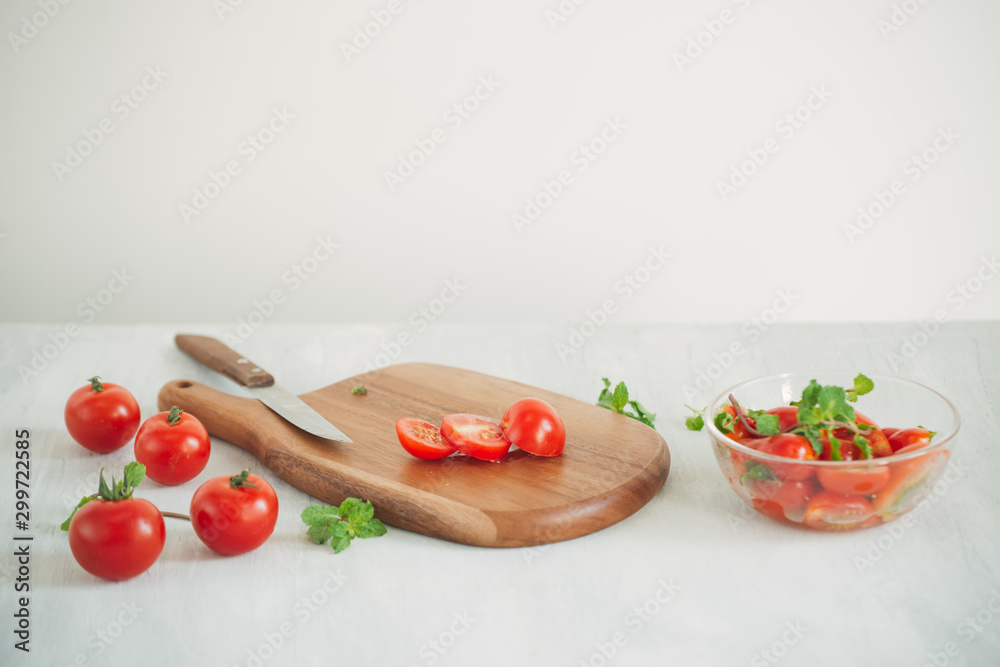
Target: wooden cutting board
611,467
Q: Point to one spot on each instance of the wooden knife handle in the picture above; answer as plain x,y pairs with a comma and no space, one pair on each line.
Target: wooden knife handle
223,359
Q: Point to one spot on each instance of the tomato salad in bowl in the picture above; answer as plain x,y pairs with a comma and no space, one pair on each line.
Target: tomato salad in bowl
801,451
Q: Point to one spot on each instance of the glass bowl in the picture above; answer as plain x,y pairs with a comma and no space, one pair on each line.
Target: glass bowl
838,495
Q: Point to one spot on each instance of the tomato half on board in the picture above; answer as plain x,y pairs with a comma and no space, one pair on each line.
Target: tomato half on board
835,511
421,439
475,436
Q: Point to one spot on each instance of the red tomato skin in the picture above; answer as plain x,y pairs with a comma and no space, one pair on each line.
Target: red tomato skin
533,425
102,421
854,481
835,511
739,433
889,432
117,540
172,454
788,416
475,436
421,439
788,445
234,521
909,436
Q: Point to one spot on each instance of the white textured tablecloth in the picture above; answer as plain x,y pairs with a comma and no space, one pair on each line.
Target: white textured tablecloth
692,578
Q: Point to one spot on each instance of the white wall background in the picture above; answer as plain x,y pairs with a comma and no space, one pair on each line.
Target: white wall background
655,185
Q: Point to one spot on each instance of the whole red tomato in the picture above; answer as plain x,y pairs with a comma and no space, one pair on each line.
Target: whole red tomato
534,426
234,515
174,446
788,445
102,417
117,539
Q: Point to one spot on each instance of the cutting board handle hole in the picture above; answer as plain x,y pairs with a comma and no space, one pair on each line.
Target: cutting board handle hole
184,384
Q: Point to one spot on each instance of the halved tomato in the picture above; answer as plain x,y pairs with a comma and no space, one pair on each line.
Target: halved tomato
908,482
421,439
910,436
789,446
835,511
782,500
862,481
475,436
788,416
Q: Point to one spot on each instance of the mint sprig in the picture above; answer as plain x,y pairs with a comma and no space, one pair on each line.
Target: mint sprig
697,421
119,490
617,400
340,525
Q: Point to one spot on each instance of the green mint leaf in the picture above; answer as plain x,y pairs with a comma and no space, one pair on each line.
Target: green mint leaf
135,473
695,423
620,398
862,385
835,454
757,470
767,424
863,445
359,511
83,501
359,391
319,532
340,542
724,422
319,514
373,528
810,396
812,434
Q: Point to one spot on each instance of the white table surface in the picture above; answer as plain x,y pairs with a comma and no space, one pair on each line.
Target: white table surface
739,581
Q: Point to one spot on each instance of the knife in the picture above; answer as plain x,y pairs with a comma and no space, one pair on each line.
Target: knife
261,385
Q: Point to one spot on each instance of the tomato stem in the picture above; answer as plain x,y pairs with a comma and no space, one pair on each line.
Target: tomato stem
95,384
176,515
239,481
174,416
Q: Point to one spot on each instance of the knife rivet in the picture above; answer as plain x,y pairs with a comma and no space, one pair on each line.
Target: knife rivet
241,360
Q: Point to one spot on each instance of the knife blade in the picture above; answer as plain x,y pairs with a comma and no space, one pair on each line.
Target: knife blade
220,358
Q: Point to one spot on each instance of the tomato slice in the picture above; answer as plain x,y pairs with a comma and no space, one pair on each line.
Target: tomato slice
421,439
475,436
854,481
909,436
835,511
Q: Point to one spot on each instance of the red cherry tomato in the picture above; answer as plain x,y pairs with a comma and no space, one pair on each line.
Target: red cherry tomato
862,481
102,417
533,425
888,432
421,439
906,482
909,436
234,515
835,511
782,500
475,436
789,446
117,539
174,446
739,433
